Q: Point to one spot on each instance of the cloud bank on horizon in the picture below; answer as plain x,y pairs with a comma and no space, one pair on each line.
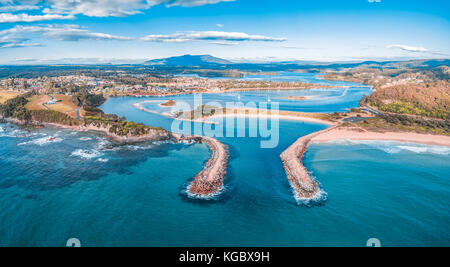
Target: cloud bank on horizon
408,48
187,26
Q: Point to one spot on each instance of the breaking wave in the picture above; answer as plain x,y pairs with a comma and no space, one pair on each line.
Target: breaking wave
102,144
319,198
86,154
212,196
394,147
42,141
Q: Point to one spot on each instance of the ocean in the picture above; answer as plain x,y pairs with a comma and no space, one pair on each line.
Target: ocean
135,195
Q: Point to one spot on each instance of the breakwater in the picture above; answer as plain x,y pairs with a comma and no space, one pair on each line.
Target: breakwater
304,186
209,181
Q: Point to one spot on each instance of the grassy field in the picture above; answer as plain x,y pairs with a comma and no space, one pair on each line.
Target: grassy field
36,101
5,95
65,105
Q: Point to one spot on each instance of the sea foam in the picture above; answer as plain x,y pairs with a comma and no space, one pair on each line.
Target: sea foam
41,141
394,147
86,154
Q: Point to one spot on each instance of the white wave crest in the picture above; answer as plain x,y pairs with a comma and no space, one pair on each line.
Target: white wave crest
42,141
102,160
394,147
427,149
318,198
102,144
211,196
86,154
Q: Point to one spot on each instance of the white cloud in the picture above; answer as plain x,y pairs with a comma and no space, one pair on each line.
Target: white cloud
227,43
209,36
69,32
407,48
12,18
219,25
77,60
190,3
19,34
13,42
117,8
14,8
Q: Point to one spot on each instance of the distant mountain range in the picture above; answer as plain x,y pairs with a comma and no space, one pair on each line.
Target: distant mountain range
211,61
189,60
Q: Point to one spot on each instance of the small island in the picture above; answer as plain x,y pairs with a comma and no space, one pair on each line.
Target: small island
169,103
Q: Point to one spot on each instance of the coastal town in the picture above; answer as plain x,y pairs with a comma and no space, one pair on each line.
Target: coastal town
125,84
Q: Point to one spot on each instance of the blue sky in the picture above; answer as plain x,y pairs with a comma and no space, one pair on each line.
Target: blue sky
129,31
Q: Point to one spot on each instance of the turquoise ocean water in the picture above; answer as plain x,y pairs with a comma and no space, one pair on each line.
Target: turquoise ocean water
135,195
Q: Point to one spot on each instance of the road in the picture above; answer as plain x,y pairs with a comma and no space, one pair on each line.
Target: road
372,110
78,112
366,108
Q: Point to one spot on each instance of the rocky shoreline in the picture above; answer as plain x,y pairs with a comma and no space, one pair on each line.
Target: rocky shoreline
153,135
209,181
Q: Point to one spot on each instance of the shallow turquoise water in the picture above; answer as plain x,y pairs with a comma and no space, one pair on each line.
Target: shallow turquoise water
135,195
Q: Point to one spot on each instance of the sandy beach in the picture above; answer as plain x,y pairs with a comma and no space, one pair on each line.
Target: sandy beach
360,134
240,114
305,187
298,117
165,114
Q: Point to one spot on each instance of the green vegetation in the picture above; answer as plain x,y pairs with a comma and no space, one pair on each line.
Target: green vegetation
392,122
120,126
52,116
200,112
15,108
403,107
416,91
88,100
